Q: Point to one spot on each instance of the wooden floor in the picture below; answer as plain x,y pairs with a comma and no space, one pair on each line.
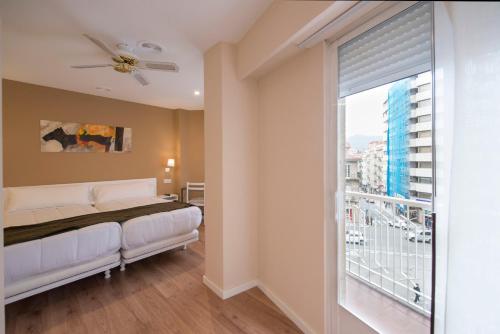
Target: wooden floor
161,294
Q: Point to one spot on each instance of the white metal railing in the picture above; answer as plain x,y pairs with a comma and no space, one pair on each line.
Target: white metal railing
424,141
388,246
422,172
421,187
425,157
424,95
421,111
421,126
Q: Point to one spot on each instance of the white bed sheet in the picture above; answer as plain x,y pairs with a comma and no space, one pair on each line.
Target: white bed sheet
37,216
28,259
145,230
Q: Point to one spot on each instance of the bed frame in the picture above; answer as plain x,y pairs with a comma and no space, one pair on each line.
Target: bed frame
104,269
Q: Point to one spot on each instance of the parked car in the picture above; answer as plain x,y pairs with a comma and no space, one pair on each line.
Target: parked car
354,237
403,225
420,236
398,223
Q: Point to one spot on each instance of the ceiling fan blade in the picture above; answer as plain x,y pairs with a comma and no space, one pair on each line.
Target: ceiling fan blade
158,65
140,78
102,45
91,66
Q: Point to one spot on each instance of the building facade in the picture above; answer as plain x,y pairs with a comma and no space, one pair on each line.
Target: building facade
408,113
374,168
352,169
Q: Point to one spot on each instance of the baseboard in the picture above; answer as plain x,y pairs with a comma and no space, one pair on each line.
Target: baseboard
239,289
214,287
303,326
225,294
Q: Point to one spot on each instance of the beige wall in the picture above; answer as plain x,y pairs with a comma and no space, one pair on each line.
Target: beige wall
273,31
292,215
240,178
155,138
213,77
291,185
190,153
289,108
231,171
2,308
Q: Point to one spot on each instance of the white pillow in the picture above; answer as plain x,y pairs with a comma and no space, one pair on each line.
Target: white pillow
128,203
112,192
27,198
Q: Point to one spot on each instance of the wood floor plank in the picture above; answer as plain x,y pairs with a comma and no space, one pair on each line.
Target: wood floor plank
160,294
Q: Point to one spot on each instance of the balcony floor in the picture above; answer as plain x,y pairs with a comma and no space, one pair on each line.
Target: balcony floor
381,312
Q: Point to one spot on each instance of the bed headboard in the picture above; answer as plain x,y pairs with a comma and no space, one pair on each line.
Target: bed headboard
83,190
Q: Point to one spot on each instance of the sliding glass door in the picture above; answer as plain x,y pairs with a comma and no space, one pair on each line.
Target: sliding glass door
386,167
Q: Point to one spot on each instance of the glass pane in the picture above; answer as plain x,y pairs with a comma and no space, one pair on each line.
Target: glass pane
388,190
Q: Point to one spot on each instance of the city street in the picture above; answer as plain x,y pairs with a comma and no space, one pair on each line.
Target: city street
386,258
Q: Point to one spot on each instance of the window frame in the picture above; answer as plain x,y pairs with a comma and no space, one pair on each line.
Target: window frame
335,160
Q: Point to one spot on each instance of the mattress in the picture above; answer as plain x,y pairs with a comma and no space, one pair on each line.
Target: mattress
28,259
145,230
37,216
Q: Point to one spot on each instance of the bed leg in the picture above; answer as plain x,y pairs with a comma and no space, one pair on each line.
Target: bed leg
122,266
107,274
185,247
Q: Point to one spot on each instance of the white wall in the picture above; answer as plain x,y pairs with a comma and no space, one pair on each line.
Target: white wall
444,82
473,292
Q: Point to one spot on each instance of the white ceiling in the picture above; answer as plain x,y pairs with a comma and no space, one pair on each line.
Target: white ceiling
42,39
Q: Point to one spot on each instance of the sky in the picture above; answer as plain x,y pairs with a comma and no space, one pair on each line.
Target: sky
364,112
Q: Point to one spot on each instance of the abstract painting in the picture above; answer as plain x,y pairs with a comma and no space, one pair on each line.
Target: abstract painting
83,137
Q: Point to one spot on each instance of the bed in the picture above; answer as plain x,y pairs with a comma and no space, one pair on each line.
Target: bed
150,234
37,265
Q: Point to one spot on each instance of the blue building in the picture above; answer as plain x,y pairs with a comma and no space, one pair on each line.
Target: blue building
408,113
398,117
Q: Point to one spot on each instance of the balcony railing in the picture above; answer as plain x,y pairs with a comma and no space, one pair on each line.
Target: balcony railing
421,187
425,141
422,172
388,246
420,157
425,95
423,79
421,111
423,126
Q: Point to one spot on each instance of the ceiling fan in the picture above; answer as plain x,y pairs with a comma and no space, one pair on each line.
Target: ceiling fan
126,62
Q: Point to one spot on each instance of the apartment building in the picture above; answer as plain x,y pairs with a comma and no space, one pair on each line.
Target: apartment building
352,169
420,135
374,168
408,114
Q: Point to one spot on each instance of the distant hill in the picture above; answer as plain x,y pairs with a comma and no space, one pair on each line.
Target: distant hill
360,142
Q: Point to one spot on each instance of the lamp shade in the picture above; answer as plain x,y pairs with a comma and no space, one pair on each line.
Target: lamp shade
171,163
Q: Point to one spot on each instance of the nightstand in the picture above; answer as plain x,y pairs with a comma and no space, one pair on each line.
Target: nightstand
170,197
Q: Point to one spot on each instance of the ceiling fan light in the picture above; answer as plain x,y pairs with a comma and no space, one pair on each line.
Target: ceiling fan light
123,68
150,46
